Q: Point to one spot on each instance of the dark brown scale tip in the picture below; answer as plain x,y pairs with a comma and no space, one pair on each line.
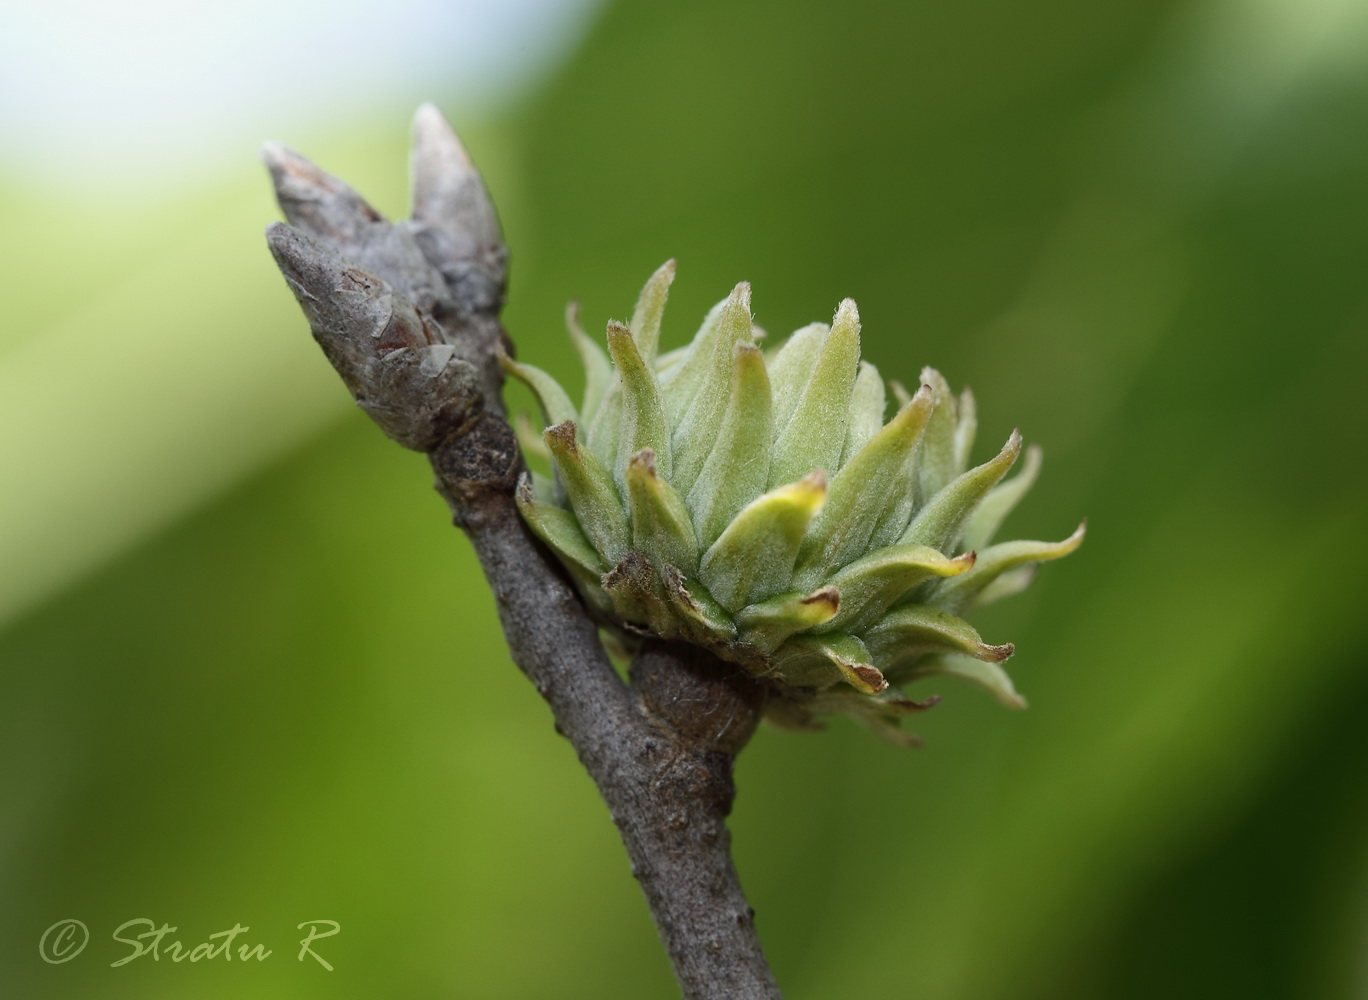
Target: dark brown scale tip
563,434
827,595
999,653
871,676
907,706
632,566
645,459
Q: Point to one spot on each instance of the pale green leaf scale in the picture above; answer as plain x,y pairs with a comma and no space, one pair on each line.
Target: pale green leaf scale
662,527
916,629
939,523
1009,584
736,467
870,586
753,558
598,370
681,380
767,624
959,594
643,423
867,405
1001,500
790,368
965,430
937,465
697,606
844,652
697,430
650,307
757,505
814,435
904,498
554,401
560,530
985,673
863,492
593,497
605,425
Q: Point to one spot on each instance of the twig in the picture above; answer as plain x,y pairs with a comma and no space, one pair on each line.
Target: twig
407,313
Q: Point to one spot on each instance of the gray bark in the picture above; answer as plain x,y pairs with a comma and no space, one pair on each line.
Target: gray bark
407,312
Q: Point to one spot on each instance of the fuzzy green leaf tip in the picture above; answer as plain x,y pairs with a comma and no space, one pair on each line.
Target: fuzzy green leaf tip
758,504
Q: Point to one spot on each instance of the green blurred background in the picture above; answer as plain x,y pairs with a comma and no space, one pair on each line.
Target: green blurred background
249,673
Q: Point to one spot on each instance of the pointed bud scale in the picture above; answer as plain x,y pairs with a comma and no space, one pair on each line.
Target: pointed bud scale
687,365
872,585
326,208
862,494
704,617
529,438
649,309
561,532
753,559
937,461
766,625
966,430
916,629
1001,500
755,504
735,470
814,435
593,497
598,371
662,528
554,402
448,192
938,524
985,673
961,594
845,653
791,366
867,405
643,414
315,201
697,429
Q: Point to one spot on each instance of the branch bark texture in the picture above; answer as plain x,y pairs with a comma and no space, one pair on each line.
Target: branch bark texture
407,312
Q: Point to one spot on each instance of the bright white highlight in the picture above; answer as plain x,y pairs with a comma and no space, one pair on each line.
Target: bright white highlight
97,88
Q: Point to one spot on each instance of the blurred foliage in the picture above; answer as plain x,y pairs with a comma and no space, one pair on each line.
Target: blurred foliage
1138,230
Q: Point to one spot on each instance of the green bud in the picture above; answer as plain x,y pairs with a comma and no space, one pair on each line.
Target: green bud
758,505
